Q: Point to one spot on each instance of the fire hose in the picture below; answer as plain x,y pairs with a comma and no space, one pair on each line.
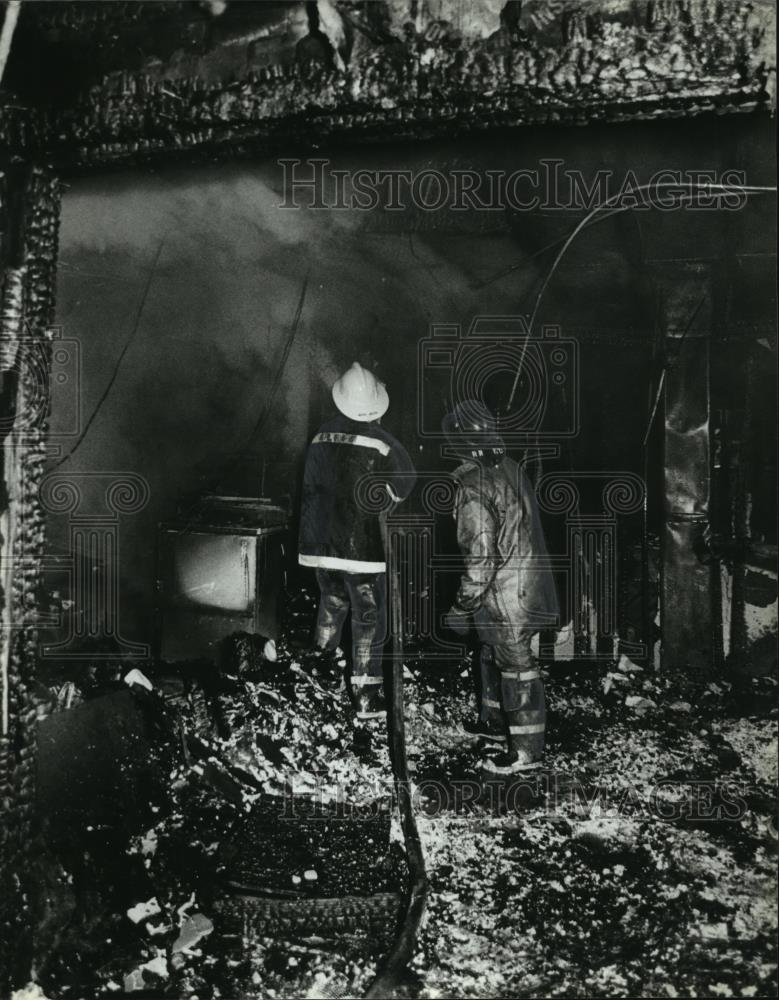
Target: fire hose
391,971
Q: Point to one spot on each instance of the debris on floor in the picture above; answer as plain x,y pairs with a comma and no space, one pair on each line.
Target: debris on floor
641,861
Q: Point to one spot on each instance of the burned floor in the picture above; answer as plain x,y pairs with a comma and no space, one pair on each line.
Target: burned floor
229,836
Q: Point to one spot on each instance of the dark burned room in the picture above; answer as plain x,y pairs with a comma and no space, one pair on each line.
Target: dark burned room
388,507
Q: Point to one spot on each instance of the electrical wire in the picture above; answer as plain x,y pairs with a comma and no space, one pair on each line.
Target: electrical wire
267,409
118,363
598,214
188,516
610,203
661,381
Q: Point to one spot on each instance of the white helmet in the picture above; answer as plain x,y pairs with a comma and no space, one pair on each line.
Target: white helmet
358,394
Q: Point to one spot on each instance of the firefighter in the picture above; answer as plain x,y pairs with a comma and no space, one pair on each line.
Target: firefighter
340,530
507,590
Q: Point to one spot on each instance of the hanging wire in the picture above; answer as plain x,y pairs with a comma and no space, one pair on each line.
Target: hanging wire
188,517
118,362
666,366
599,214
610,203
271,398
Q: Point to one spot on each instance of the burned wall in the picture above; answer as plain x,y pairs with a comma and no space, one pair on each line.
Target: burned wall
108,82
29,212
182,287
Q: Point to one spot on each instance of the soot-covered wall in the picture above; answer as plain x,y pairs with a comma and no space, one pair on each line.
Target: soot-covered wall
202,273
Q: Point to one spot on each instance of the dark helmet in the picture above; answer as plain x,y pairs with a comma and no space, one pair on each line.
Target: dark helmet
472,431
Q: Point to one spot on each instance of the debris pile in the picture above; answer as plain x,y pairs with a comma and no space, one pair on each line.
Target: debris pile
641,861
234,745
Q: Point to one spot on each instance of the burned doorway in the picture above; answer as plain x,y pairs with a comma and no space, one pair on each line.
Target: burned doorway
660,299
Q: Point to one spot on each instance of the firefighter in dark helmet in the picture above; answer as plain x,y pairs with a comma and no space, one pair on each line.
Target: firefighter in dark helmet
506,591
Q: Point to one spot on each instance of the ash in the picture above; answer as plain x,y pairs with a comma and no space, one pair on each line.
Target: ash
640,862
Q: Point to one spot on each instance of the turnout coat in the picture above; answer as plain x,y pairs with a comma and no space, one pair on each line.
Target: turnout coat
507,585
350,466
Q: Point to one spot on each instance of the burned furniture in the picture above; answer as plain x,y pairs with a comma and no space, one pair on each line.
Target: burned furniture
221,570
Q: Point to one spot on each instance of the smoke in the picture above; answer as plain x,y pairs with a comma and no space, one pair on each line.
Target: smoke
323,365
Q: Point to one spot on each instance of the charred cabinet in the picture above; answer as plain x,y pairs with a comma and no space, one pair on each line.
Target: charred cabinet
221,571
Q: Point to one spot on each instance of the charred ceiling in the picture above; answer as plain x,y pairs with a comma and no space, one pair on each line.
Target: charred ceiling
133,80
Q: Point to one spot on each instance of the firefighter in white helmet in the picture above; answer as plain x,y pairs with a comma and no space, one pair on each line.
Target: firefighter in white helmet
340,533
